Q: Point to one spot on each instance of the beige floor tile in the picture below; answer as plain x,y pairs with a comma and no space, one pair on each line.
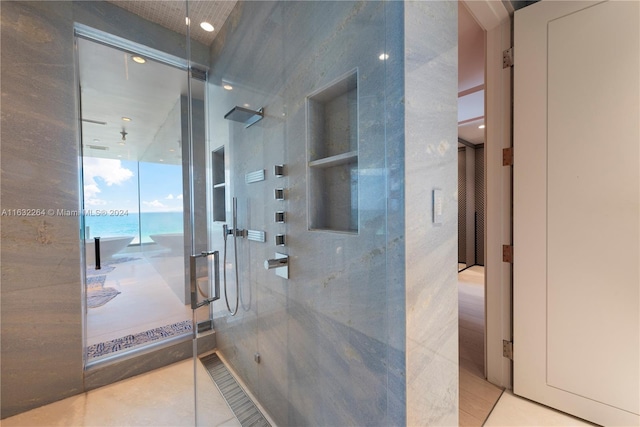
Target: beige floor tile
515,411
164,397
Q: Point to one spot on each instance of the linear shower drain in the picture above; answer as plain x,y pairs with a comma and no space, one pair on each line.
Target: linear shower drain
242,406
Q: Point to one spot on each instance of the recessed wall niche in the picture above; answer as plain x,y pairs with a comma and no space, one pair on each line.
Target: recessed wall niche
332,147
219,185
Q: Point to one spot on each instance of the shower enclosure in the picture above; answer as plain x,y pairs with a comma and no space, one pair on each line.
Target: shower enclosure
293,180
302,149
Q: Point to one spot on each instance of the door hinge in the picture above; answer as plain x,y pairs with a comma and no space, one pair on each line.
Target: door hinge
507,156
507,349
507,254
507,58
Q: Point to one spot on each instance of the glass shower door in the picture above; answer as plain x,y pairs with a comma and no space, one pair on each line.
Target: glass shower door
133,184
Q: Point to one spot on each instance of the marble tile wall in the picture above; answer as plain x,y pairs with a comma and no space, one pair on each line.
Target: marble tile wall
431,249
334,345
41,295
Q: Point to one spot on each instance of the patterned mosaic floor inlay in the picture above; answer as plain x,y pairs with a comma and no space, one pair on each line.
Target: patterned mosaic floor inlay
129,341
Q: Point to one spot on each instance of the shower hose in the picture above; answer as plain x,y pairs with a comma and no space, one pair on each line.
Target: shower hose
225,232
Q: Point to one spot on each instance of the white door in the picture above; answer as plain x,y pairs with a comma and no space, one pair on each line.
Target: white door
576,208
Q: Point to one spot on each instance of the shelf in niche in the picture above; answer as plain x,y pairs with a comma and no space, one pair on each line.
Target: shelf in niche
347,231
338,159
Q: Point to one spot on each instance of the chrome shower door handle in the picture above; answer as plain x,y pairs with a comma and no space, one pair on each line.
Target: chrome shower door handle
193,279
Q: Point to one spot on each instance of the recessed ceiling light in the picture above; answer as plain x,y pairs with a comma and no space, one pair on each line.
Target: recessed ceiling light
206,26
120,155
481,127
187,20
96,140
383,56
162,160
246,105
228,87
171,150
121,143
138,59
126,119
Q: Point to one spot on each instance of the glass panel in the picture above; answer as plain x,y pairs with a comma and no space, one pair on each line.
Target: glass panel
324,346
133,200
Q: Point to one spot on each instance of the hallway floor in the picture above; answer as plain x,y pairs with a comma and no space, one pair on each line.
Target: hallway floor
482,403
477,396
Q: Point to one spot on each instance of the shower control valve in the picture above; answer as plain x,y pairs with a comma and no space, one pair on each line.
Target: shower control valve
227,231
280,263
275,263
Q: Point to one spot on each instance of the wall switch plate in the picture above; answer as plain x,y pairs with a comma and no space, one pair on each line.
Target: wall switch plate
438,206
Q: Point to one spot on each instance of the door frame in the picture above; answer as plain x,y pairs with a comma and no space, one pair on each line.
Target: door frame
496,21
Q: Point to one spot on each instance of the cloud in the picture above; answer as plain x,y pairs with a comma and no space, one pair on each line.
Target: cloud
94,202
91,190
179,197
169,197
108,170
156,204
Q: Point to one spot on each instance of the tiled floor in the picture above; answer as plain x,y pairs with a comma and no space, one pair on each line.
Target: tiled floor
514,411
163,397
477,396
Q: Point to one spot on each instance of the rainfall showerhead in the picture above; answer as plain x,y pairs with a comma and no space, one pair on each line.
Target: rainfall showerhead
245,115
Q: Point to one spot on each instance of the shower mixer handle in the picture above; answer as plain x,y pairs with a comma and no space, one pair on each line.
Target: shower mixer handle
275,263
229,231
280,263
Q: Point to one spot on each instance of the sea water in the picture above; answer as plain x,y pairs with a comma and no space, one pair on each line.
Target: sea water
140,225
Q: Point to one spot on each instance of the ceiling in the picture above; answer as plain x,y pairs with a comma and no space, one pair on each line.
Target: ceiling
113,87
172,14
470,77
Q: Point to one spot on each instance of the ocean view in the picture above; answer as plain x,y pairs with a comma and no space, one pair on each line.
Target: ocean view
140,225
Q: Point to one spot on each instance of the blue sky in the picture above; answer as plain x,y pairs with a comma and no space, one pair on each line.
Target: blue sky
113,184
